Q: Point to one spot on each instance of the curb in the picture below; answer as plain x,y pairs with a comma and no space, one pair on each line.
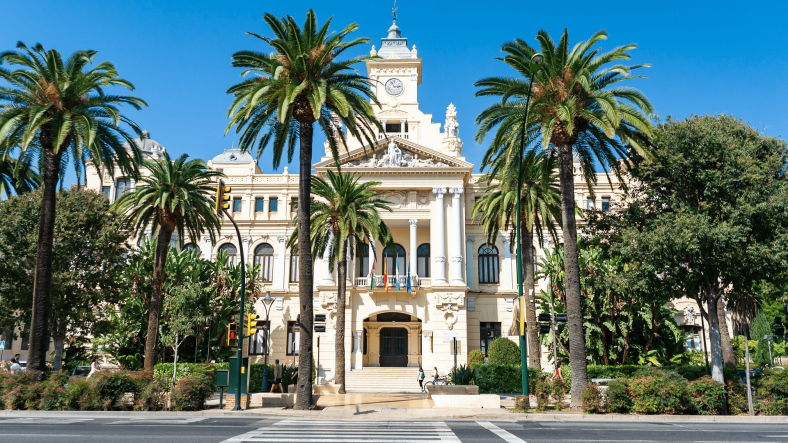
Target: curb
652,418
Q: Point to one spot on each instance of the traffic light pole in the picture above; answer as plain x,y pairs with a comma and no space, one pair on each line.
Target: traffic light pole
240,317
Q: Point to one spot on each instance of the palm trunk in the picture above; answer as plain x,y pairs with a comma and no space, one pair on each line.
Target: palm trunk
305,278
154,314
59,340
574,306
339,340
534,348
712,301
42,282
728,356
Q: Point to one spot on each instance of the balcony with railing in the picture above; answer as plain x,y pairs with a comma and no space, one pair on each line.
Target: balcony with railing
415,282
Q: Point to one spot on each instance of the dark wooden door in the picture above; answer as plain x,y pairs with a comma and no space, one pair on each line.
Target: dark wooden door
394,347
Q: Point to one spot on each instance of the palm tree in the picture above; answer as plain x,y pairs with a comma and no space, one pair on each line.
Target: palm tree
541,210
17,175
291,89
62,110
578,110
175,196
344,220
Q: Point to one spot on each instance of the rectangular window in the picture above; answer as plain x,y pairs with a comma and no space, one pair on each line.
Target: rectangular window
293,335
606,204
590,204
294,205
259,204
258,342
123,186
293,268
273,205
393,127
106,190
489,332
237,204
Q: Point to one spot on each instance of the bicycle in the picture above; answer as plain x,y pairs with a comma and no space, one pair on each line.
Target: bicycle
439,381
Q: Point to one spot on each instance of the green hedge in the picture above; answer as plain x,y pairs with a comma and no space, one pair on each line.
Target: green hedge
162,372
690,372
504,379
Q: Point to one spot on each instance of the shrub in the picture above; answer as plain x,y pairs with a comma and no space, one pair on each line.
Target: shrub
542,394
256,376
773,389
504,379
522,403
461,375
559,388
113,386
150,398
618,397
82,395
658,392
163,372
503,352
706,396
15,390
475,358
53,394
191,392
737,397
593,399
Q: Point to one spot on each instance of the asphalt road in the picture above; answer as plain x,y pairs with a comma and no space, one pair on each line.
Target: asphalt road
232,430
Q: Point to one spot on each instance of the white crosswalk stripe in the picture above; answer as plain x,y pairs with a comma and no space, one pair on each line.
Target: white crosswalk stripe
350,431
43,421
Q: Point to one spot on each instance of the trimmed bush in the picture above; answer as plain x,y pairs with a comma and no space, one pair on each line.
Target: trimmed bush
191,392
475,358
82,395
113,386
53,394
707,396
542,391
658,392
503,352
559,389
773,389
618,397
504,379
593,399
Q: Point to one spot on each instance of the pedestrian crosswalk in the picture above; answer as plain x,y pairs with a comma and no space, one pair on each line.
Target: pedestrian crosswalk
350,431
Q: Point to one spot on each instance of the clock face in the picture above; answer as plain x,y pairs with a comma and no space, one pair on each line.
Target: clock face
394,86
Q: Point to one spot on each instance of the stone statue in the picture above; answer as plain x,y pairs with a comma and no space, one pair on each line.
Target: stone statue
452,128
395,155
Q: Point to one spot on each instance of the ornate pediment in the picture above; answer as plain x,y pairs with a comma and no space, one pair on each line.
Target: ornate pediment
396,157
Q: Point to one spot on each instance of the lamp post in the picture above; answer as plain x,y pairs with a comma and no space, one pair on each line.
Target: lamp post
267,302
240,312
536,60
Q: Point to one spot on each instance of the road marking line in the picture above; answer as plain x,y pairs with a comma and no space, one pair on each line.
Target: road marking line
506,436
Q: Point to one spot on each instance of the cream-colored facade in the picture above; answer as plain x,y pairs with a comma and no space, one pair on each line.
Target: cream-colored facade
462,288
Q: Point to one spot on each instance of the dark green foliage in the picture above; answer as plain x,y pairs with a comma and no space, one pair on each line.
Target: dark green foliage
163,371
690,372
82,395
503,352
191,392
737,397
461,375
758,329
658,392
773,389
475,358
504,379
618,397
113,386
706,396
559,389
542,391
592,399
53,393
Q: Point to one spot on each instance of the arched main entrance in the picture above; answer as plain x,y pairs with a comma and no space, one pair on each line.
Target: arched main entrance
394,347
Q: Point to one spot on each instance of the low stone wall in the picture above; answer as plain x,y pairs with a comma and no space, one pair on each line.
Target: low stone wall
269,400
487,401
453,390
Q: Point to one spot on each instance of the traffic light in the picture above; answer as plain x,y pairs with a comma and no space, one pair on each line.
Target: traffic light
561,318
544,317
222,198
232,335
544,329
251,324
320,323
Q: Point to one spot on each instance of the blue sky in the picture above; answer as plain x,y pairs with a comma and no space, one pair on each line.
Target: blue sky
708,57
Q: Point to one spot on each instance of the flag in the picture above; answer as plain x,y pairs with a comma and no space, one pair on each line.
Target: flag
408,287
372,276
386,273
396,272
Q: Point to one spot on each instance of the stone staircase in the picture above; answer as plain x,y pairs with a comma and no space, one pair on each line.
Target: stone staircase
389,380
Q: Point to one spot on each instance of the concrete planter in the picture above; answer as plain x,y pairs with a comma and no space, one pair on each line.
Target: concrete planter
453,390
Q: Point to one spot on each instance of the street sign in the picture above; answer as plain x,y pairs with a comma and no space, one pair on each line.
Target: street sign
2,345
449,336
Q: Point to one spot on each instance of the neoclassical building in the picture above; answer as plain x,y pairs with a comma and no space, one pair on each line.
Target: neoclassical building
462,287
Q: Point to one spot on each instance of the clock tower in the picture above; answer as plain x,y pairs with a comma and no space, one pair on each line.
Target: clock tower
395,78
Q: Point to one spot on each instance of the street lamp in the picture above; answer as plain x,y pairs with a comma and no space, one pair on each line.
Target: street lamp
533,67
267,302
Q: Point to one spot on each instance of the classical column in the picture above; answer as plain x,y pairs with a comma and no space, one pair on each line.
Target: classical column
413,247
328,276
266,202
208,247
507,262
439,274
456,242
282,239
371,257
402,124
245,245
469,259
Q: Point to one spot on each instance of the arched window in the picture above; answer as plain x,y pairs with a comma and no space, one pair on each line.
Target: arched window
191,247
363,260
232,252
423,260
392,255
488,264
264,256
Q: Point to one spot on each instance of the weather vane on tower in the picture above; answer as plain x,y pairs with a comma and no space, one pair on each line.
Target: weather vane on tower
394,10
